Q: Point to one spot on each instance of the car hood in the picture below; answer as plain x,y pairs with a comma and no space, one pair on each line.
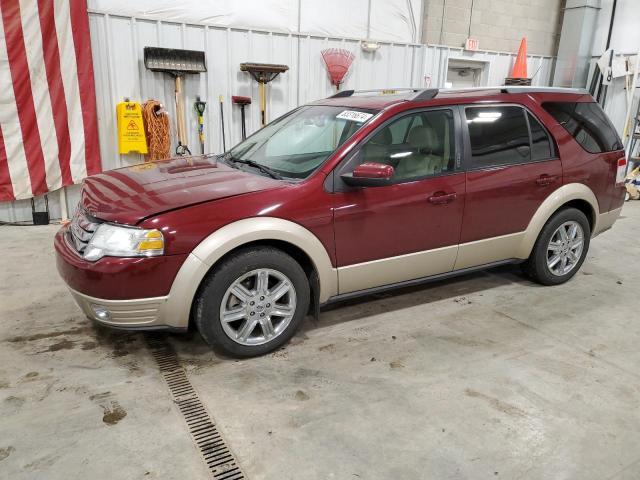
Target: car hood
128,195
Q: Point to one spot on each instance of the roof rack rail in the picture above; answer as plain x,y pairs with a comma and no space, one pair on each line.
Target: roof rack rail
517,89
527,89
422,94
389,91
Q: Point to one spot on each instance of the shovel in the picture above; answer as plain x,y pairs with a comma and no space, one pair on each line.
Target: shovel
177,63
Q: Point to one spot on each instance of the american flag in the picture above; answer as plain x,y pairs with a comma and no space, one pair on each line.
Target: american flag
48,131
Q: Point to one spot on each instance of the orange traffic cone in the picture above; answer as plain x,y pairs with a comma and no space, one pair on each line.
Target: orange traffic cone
520,67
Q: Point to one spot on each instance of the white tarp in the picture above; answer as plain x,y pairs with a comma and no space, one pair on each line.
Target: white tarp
389,20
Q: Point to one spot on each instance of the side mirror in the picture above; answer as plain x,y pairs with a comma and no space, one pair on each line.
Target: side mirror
369,175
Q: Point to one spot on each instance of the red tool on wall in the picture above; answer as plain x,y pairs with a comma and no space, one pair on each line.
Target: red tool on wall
338,62
242,102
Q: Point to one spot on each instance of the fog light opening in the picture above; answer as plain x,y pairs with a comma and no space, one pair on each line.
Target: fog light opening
101,312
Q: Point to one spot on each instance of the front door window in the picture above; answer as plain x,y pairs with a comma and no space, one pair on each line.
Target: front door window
417,146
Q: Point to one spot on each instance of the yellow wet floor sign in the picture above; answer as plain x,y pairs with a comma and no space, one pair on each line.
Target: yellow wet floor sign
131,136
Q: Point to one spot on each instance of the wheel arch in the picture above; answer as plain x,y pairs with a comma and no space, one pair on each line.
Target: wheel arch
290,237
576,195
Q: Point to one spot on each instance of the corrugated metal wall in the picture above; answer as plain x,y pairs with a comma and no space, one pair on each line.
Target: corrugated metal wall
117,44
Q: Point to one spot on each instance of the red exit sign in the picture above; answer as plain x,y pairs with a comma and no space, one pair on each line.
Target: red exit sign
471,44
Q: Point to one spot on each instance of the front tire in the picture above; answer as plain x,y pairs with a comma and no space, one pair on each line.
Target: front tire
253,302
560,248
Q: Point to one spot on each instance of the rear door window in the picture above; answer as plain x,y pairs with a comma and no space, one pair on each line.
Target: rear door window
499,135
587,123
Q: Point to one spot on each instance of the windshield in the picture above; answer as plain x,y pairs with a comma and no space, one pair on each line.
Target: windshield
297,144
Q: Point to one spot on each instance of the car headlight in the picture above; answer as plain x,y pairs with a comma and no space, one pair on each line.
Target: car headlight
116,241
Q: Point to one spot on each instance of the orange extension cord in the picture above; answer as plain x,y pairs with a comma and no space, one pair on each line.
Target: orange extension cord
156,126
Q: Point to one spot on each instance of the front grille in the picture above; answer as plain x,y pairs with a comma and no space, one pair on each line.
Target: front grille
81,229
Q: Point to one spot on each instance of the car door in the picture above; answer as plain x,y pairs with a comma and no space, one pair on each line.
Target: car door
512,167
410,228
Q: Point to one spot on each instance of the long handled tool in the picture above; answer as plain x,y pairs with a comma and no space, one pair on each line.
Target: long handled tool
177,63
242,101
224,143
263,73
199,106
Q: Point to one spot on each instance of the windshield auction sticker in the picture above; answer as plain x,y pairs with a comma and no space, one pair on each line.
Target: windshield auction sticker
354,116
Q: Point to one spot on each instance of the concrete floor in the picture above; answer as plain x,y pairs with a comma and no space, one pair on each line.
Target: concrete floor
483,376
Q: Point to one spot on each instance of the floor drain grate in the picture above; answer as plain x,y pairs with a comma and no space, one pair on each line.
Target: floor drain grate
216,454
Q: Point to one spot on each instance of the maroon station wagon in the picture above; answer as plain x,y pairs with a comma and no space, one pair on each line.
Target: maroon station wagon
343,197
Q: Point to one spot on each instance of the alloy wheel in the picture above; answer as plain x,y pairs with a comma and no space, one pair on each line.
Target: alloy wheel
258,306
565,248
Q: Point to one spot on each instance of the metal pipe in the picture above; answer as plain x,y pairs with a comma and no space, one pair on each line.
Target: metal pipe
602,91
613,16
369,19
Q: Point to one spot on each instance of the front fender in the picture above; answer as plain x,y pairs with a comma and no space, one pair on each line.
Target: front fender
234,235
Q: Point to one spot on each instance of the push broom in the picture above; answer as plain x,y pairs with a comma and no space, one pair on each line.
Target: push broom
263,73
177,63
338,62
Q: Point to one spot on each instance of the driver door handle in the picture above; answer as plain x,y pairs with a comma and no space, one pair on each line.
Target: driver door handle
442,198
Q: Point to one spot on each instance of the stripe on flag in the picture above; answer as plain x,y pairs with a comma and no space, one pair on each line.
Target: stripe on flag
20,184
40,93
82,43
51,56
21,79
6,192
71,88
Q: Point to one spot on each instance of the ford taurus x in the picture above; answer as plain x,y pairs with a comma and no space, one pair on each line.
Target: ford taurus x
342,197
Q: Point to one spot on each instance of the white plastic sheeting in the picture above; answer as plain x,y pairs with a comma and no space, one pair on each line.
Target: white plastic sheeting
117,44
391,20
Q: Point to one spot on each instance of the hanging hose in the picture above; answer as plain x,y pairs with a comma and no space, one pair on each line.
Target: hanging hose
156,126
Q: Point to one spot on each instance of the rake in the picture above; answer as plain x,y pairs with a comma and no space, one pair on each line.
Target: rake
338,62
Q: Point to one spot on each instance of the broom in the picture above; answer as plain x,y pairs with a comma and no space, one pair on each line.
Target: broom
338,62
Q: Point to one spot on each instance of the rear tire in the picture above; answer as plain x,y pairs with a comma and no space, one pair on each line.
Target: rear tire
560,249
252,303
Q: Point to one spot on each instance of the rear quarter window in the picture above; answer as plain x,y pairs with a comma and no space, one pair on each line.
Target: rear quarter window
587,123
